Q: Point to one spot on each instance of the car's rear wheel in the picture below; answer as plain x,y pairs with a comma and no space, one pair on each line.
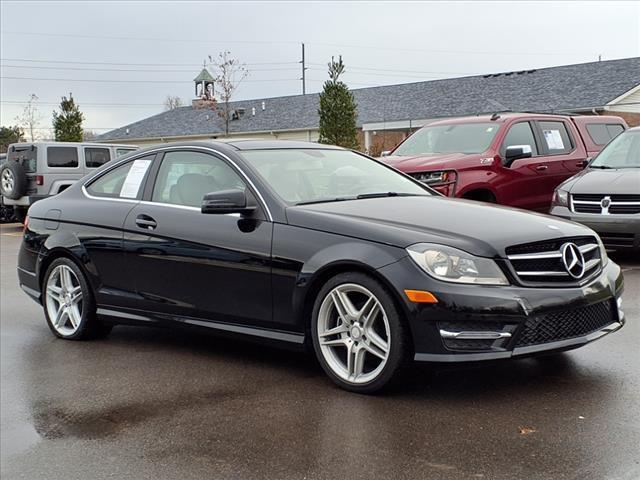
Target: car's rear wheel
68,302
358,334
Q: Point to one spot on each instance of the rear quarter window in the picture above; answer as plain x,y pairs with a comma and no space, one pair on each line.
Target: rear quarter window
62,157
603,133
95,157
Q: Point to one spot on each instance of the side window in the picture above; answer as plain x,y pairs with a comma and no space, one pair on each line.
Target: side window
601,133
185,177
96,157
62,157
124,181
123,151
520,134
555,138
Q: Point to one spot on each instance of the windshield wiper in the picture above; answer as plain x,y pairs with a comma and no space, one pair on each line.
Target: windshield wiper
326,200
385,194
603,167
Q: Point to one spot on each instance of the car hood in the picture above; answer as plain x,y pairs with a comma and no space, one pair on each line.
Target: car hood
478,228
615,181
419,163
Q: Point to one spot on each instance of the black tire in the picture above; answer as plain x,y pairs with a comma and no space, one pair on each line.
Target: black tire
6,213
89,326
400,348
20,214
15,171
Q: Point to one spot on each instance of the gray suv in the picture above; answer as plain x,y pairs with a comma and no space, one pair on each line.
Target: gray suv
37,170
606,194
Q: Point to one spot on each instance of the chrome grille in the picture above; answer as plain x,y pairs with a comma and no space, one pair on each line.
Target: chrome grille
541,263
605,204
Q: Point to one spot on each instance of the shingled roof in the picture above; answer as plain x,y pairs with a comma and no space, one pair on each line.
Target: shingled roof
552,89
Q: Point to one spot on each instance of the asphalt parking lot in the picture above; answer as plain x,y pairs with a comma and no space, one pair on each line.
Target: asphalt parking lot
158,404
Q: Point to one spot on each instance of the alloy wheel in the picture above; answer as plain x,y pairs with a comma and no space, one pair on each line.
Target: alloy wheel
353,333
64,300
8,182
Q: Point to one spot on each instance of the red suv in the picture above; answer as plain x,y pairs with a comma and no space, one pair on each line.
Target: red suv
512,158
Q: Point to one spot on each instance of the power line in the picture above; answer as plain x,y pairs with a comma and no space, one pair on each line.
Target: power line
197,65
347,72
398,70
462,52
131,81
133,69
150,39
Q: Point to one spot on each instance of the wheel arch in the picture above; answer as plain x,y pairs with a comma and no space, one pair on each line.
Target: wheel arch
304,309
70,248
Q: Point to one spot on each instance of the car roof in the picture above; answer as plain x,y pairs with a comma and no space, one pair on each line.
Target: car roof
277,144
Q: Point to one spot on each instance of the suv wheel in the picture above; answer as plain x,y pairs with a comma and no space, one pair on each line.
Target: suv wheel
13,180
68,302
358,334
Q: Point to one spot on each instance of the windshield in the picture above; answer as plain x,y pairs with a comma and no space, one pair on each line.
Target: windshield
313,175
457,138
622,152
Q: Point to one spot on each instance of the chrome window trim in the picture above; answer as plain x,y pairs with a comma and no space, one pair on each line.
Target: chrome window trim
182,147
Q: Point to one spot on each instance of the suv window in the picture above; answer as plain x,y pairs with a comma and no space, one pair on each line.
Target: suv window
601,133
520,134
555,137
96,157
184,178
123,151
62,157
111,183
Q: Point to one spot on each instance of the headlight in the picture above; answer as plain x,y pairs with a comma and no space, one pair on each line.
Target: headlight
560,198
435,178
603,251
453,265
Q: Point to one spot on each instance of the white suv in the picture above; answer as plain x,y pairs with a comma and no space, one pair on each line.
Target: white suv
37,170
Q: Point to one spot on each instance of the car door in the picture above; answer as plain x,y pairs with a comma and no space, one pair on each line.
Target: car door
99,222
190,265
562,154
524,180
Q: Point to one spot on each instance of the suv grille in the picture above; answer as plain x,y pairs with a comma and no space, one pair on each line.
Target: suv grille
605,204
566,324
541,263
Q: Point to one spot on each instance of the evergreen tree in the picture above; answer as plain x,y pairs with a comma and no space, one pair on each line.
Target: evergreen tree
67,125
9,135
338,111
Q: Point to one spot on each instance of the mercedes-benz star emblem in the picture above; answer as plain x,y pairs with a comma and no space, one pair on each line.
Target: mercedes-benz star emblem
573,260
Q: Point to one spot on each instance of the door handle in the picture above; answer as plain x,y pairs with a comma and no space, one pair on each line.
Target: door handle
146,222
542,167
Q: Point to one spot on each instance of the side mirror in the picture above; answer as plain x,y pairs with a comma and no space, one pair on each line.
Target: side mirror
227,201
516,152
586,162
385,153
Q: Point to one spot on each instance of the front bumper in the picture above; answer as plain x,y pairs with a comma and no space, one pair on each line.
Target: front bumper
566,317
618,232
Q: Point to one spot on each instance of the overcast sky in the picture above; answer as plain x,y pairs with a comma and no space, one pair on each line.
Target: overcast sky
142,51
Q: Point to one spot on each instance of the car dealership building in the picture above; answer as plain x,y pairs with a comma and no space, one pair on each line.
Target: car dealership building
387,114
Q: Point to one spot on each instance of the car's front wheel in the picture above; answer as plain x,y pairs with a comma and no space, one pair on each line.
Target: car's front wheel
68,302
358,334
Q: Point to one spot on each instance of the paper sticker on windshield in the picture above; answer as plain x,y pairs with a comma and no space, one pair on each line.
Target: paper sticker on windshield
134,178
554,139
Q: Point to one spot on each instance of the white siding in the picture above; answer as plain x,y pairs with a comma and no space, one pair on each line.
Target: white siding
629,102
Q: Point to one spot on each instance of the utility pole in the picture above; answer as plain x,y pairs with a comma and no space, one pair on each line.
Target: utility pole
304,68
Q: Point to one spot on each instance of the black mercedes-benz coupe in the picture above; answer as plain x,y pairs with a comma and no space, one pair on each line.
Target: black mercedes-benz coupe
318,246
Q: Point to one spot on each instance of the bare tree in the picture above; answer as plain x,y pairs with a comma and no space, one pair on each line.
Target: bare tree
89,135
229,74
172,102
30,117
